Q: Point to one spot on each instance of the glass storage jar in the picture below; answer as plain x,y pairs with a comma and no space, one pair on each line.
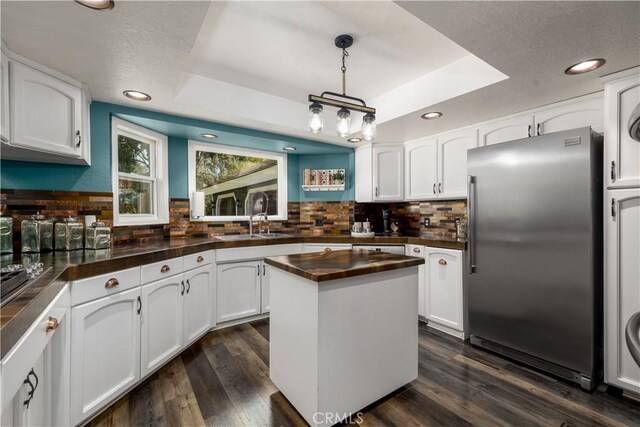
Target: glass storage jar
6,234
37,234
68,235
97,236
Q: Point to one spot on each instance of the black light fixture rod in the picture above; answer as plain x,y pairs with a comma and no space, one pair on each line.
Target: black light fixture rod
342,104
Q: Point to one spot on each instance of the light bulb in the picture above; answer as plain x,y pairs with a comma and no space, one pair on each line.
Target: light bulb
315,118
369,127
344,122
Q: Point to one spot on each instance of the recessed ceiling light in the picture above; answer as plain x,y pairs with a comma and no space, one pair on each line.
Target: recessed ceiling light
209,135
585,66
289,148
136,95
97,4
354,139
432,115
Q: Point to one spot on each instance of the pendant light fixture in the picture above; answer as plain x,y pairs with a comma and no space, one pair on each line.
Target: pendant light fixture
344,102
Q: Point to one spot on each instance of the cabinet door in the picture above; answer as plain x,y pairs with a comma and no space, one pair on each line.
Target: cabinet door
622,153
444,303
4,99
387,172
105,351
196,303
506,130
264,284
622,285
238,287
418,251
364,173
452,155
161,322
46,113
38,411
572,116
421,169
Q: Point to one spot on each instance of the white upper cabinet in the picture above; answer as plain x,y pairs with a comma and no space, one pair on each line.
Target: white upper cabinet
387,172
571,116
452,165
379,175
45,115
506,130
4,100
622,154
421,169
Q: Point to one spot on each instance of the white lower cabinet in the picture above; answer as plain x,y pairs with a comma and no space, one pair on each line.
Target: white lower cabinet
197,319
162,322
325,247
444,290
238,290
622,286
419,251
105,351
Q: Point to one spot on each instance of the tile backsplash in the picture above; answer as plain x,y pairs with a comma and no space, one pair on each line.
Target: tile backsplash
310,218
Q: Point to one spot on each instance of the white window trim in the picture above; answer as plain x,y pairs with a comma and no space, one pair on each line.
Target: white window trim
226,196
225,149
160,166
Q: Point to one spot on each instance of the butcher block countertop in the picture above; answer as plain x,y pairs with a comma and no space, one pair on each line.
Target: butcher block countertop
332,265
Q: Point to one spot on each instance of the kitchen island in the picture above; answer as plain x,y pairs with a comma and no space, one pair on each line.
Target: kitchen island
343,329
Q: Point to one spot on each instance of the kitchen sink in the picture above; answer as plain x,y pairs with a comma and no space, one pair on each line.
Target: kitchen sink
251,236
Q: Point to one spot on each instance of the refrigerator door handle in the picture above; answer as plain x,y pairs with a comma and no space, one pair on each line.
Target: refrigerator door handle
471,181
632,334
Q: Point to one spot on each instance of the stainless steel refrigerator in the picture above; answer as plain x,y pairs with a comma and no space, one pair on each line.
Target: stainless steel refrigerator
535,252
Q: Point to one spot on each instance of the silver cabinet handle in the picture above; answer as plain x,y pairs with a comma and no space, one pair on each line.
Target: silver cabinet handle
471,185
439,187
434,188
529,131
376,191
613,171
79,138
538,129
613,208
631,334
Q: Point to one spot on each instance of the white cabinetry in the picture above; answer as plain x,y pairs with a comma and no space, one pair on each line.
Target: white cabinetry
322,247
452,162
379,175
622,285
105,355
45,115
35,372
421,169
239,290
419,251
571,115
5,132
444,290
162,322
197,319
622,154
506,130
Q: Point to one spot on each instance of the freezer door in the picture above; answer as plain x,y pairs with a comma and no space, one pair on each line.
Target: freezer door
534,209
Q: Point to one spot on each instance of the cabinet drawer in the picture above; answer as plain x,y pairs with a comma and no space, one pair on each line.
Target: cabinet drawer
160,270
29,348
197,260
101,286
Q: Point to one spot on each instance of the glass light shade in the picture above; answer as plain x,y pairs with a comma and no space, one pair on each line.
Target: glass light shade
344,122
315,118
369,127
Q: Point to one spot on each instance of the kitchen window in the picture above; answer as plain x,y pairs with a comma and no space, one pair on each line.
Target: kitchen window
238,181
139,174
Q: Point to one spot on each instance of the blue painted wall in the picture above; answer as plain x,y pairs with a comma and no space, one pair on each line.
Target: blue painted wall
97,177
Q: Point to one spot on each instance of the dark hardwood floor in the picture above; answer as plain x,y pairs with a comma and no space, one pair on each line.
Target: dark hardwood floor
223,380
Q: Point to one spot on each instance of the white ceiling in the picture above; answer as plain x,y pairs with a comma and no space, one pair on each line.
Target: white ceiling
253,63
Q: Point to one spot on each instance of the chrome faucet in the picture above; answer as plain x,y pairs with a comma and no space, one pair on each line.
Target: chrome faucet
262,215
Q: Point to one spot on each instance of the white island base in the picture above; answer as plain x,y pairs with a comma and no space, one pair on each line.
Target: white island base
338,346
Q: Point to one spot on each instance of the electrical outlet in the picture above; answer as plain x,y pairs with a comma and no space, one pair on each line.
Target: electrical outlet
427,222
319,222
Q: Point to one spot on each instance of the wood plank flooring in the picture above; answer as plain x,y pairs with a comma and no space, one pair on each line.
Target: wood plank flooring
223,380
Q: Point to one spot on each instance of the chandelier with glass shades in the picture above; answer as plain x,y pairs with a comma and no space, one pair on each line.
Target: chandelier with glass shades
344,102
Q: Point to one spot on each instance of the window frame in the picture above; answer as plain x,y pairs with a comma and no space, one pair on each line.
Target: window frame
158,174
249,152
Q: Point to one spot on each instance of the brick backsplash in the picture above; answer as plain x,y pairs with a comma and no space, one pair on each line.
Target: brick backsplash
336,218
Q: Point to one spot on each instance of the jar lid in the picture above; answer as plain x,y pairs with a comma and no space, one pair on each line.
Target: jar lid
98,224
70,219
38,216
